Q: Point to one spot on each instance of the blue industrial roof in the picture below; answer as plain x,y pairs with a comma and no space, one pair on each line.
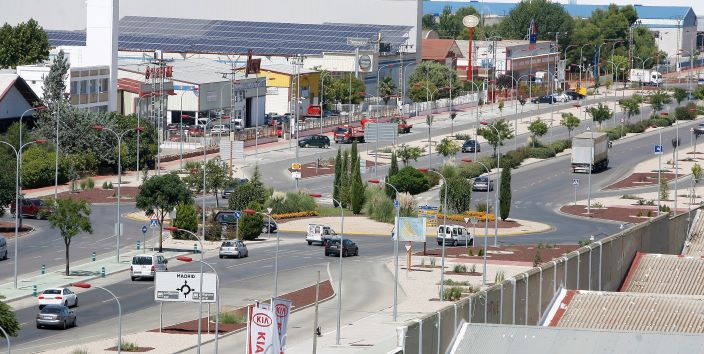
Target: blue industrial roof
575,10
214,36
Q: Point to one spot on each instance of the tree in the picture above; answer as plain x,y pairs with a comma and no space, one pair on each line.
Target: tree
393,170
537,129
338,89
659,99
354,157
407,153
55,82
505,198
71,217
26,43
697,173
186,219
410,180
159,195
570,121
664,189
251,225
357,190
550,17
336,186
630,106
387,88
501,108
216,177
680,95
8,319
600,113
245,194
345,179
459,193
490,134
448,148
431,80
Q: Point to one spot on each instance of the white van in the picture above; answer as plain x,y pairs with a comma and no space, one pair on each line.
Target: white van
3,248
319,233
455,235
146,265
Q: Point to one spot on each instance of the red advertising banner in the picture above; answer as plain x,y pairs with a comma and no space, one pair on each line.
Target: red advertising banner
261,332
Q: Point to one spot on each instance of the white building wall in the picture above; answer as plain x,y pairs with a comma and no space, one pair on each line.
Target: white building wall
13,104
34,76
277,100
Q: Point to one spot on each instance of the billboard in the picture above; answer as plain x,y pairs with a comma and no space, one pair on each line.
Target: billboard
184,287
411,229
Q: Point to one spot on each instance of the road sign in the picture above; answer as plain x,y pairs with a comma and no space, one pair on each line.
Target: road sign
295,166
184,287
238,214
466,220
384,132
470,21
658,149
396,203
296,174
575,181
412,229
153,222
144,229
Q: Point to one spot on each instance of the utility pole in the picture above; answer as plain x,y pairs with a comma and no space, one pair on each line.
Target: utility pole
158,77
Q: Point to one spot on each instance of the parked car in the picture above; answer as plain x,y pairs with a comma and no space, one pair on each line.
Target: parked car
196,130
470,145
146,266
3,248
235,248
317,140
574,95
270,226
454,235
56,316
57,296
319,233
220,129
699,129
226,217
482,183
544,99
349,248
32,207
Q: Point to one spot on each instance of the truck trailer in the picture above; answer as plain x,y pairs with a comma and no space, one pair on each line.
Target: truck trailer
590,152
645,76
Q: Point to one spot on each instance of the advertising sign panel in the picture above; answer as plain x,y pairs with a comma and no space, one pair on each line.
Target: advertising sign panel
184,287
282,310
261,332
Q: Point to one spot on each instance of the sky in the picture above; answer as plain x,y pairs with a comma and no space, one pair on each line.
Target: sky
698,6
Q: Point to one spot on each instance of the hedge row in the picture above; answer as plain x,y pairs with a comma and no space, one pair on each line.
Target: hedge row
300,214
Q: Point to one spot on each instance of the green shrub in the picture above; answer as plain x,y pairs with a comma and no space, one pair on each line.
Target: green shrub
508,162
110,185
105,185
432,178
38,168
470,253
90,183
481,207
452,294
290,202
463,136
660,122
410,180
560,145
481,252
683,113
470,170
129,346
460,268
449,170
251,225
79,351
187,219
638,127
499,277
614,133
379,206
489,161
83,184
231,318
541,152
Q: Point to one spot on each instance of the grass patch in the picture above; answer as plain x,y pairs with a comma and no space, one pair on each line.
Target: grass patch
231,318
129,346
79,351
330,211
451,282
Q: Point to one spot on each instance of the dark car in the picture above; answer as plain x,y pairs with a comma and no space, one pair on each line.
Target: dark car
317,140
32,207
349,248
231,188
471,145
56,316
544,99
270,226
574,95
482,183
227,217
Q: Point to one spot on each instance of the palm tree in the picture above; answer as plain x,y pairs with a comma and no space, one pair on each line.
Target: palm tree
387,88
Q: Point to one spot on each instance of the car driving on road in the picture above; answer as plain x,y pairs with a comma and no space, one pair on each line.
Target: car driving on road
317,140
57,296
482,183
470,145
146,266
349,248
32,207
56,316
234,248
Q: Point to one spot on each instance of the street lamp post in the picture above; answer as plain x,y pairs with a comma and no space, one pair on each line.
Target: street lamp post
396,228
119,310
118,226
217,296
276,255
498,185
200,297
7,337
18,207
591,167
339,280
444,228
486,224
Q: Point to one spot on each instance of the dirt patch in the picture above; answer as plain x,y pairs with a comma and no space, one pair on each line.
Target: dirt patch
640,180
514,253
7,229
299,298
474,274
326,167
98,195
632,214
503,224
138,350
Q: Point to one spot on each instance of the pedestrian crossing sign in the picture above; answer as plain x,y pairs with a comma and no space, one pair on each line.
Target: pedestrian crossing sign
153,223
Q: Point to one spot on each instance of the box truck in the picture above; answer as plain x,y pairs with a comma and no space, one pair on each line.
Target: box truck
590,152
645,76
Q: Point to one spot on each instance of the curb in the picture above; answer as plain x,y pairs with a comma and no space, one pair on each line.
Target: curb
560,212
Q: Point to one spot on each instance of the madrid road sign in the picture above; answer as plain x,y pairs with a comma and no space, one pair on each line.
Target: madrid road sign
184,287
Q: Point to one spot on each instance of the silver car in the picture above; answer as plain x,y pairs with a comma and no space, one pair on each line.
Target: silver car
56,316
234,248
482,183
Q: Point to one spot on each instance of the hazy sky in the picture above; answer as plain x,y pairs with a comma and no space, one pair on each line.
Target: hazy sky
698,6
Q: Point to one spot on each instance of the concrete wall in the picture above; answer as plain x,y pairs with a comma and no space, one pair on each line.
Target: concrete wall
521,300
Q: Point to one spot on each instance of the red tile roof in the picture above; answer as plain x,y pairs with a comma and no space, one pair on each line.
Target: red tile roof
439,49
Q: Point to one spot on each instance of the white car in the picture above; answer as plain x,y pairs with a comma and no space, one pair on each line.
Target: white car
146,266
58,296
561,97
319,233
219,129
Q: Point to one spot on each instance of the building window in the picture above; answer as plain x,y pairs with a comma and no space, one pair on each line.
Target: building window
74,88
239,96
93,86
104,83
84,86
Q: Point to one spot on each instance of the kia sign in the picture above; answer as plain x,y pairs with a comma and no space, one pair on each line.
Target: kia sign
282,309
184,287
261,332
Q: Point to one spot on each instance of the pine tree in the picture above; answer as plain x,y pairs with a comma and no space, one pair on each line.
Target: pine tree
345,179
354,157
357,190
393,169
338,178
505,198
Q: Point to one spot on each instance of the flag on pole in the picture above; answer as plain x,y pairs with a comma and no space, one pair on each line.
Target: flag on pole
532,34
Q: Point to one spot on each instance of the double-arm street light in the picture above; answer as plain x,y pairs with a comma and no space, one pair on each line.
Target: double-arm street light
486,221
581,60
85,285
498,185
217,294
515,122
118,226
444,232
397,232
276,255
18,207
339,280
200,296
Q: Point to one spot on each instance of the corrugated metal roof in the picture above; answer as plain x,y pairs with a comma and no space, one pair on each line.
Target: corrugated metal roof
666,274
694,246
634,312
507,339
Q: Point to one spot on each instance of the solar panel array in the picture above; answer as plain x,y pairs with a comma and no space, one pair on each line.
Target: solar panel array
139,33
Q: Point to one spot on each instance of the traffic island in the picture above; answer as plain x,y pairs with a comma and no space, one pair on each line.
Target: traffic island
96,195
300,299
627,214
513,254
7,229
641,179
326,167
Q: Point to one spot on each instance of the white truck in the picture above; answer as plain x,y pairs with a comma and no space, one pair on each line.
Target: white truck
590,152
645,76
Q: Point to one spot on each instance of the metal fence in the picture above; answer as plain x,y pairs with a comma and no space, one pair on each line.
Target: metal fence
522,299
